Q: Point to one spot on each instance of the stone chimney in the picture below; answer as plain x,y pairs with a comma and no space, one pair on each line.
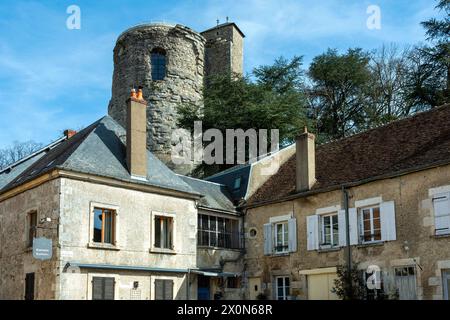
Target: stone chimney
137,135
305,161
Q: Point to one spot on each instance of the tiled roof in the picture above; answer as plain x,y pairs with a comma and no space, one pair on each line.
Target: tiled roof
215,196
410,144
98,150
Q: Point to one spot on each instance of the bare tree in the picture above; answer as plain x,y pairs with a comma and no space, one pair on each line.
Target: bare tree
17,151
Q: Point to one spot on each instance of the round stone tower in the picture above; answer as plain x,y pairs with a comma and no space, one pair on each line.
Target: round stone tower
167,62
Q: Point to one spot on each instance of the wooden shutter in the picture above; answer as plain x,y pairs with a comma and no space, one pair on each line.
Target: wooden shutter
387,219
168,290
159,289
353,224
97,288
268,239
108,288
312,229
292,233
342,225
441,205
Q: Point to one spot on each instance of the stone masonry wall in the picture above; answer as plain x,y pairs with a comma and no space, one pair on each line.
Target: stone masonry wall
16,258
182,84
414,224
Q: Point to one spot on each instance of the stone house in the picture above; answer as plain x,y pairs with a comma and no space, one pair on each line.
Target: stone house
122,225
389,187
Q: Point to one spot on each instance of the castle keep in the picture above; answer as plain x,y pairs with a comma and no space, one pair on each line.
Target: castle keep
170,62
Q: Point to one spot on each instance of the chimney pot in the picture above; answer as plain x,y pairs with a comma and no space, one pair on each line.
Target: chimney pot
69,133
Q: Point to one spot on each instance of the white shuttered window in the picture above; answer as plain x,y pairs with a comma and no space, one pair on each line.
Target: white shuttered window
441,206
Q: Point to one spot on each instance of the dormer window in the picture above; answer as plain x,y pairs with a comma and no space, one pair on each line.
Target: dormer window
158,63
237,183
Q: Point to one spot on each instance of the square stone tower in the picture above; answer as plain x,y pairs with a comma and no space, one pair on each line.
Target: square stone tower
223,49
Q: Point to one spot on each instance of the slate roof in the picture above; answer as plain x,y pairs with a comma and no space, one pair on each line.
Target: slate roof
228,176
215,196
410,144
98,150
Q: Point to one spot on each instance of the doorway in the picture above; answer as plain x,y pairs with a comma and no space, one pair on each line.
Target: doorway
405,281
203,288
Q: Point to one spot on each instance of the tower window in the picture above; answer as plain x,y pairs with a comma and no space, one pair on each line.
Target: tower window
158,61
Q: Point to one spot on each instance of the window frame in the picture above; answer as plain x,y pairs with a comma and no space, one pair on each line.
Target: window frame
112,232
332,216
116,235
361,229
31,230
157,68
230,234
153,247
286,288
285,233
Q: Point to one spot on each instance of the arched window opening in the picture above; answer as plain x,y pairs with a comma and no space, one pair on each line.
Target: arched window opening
158,62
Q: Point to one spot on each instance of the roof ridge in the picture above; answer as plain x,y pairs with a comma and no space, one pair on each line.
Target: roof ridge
391,123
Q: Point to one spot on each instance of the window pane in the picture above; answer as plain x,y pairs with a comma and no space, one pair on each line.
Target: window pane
97,225
213,239
157,232
108,232
376,212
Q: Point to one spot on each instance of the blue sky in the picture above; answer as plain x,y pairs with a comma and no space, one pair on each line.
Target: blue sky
53,78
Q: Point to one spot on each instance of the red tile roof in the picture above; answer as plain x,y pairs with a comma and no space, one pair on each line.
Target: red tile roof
410,144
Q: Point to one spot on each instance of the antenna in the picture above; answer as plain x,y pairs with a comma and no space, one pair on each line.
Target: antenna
217,21
227,19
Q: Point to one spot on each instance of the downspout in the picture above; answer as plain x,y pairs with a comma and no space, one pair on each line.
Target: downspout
348,249
188,285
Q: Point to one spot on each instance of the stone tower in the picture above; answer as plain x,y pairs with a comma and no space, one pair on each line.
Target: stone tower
167,61
223,49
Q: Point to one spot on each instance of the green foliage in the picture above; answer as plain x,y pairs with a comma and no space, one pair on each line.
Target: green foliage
273,100
340,85
349,285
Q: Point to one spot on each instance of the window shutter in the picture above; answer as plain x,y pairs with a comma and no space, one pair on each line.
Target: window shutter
353,224
292,233
168,289
441,205
312,228
109,288
97,288
342,228
159,290
268,239
387,219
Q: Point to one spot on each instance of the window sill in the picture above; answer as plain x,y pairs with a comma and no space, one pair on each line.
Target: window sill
219,248
444,235
280,254
370,244
103,246
162,250
329,249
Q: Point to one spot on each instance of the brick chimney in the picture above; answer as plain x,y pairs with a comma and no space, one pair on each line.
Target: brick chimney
137,135
305,161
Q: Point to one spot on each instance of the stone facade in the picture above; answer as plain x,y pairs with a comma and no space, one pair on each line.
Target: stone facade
184,75
16,258
182,84
415,229
223,50
69,203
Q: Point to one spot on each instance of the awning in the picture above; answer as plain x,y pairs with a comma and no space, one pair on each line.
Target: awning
122,267
210,273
